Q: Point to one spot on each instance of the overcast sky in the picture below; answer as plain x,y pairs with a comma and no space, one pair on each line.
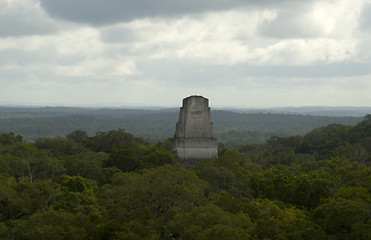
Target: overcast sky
237,53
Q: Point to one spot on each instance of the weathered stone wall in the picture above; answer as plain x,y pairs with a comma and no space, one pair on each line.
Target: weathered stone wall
193,137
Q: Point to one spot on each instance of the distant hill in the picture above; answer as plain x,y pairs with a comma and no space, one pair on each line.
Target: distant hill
230,127
314,110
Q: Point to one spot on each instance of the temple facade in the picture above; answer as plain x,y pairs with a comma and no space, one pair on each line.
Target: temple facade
193,137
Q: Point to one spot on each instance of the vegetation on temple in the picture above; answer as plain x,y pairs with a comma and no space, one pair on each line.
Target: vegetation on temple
115,186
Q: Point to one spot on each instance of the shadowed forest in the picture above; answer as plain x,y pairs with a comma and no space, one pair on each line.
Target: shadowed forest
114,185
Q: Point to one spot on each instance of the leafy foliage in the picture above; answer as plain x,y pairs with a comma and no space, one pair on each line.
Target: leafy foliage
116,186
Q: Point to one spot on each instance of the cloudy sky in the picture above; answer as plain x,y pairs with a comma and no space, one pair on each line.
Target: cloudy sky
238,53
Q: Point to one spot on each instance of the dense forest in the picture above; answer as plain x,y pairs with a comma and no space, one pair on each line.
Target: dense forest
113,185
231,128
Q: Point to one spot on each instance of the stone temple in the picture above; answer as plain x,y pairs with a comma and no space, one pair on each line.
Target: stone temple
193,137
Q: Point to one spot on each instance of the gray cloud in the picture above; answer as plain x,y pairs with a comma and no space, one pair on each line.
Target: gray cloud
113,35
364,51
365,18
21,27
23,18
22,58
290,24
190,73
102,12
334,70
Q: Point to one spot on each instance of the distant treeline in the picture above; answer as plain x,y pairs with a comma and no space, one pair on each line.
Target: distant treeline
231,128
